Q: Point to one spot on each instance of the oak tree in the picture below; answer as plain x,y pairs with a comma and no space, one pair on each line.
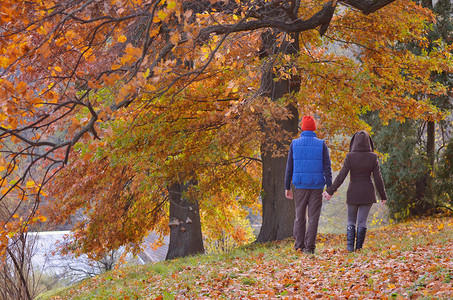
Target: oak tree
139,96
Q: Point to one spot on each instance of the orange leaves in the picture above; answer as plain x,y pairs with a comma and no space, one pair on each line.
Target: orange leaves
3,164
115,67
276,271
42,219
70,34
74,125
110,80
15,226
207,124
132,53
125,90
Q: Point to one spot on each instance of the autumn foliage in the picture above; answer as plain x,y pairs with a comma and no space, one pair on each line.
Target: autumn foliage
112,101
401,261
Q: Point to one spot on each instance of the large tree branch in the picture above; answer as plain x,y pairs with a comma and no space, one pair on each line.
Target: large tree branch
321,18
367,6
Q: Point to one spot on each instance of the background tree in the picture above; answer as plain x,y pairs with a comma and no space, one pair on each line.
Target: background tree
414,184
444,185
404,163
439,36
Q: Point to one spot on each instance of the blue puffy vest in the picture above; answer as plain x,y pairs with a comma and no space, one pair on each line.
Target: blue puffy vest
308,162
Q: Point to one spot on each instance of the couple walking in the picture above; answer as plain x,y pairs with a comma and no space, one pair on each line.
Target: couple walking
308,168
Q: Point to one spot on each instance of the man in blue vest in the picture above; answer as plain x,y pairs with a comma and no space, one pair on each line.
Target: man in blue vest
308,168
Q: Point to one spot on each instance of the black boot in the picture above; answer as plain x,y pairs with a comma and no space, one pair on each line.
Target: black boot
350,237
361,233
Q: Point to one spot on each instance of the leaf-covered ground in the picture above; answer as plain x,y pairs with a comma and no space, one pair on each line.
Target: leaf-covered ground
410,260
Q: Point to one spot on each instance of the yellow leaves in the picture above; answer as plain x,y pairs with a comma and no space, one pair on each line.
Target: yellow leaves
146,73
171,5
34,188
4,61
162,15
440,226
30,184
122,38
42,30
88,54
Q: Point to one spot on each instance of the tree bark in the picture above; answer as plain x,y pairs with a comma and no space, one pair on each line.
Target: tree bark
423,186
278,212
430,150
185,226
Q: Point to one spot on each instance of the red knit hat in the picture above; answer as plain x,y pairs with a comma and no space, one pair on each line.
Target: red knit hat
308,124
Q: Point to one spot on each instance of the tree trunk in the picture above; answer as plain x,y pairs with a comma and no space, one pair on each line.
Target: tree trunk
423,186
430,150
278,212
185,226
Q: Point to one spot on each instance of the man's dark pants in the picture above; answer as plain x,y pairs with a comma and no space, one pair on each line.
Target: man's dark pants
306,235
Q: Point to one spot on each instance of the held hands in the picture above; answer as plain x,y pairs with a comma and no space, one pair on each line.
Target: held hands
289,194
326,195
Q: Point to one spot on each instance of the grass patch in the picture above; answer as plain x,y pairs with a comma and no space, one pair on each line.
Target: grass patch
411,259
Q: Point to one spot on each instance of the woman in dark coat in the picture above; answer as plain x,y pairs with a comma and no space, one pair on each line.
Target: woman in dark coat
361,162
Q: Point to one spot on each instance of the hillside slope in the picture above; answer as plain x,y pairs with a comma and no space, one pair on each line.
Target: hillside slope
407,260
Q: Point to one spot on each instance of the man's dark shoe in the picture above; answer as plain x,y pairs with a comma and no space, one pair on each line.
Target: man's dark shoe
308,251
